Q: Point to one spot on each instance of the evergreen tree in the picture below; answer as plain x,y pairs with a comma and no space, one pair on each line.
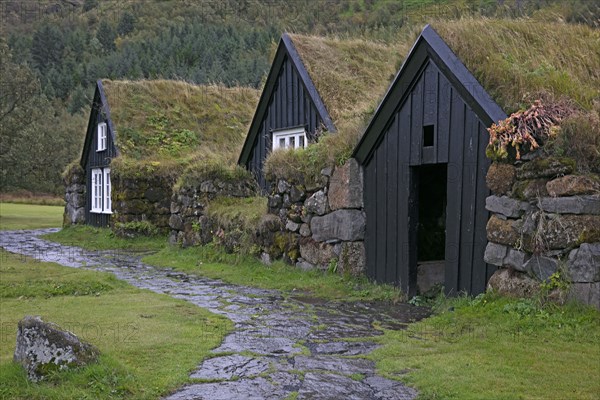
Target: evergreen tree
126,24
106,36
47,48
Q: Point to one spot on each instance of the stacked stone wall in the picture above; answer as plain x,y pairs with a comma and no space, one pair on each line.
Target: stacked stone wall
326,223
141,199
75,200
545,222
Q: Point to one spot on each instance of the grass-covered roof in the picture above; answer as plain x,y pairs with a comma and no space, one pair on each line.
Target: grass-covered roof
515,60
351,75
163,120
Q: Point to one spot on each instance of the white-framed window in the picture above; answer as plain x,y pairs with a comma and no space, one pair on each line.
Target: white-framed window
107,209
101,136
101,201
96,190
294,138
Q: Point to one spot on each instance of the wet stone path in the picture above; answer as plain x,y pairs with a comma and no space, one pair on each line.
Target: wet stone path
280,346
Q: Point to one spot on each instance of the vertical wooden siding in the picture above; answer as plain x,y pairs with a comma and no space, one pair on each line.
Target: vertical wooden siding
460,139
97,159
289,106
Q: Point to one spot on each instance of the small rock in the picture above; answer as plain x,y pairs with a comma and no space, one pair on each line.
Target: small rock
283,186
274,202
327,171
317,203
265,258
541,267
43,347
573,185
304,265
530,189
292,226
506,206
346,186
503,231
297,194
305,230
494,254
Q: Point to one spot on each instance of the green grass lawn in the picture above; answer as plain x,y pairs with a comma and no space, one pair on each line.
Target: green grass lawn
149,342
28,216
92,238
496,348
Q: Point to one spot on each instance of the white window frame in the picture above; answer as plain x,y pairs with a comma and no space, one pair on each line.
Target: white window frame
106,186
96,188
101,189
293,138
101,137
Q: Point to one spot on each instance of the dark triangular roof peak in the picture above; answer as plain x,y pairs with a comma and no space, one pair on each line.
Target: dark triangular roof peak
285,48
429,46
99,105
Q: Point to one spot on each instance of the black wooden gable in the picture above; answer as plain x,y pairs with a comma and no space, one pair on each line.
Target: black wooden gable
426,143
428,49
91,158
100,112
289,99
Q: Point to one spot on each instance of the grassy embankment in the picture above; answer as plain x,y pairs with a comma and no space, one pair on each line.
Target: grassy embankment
27,216
149,342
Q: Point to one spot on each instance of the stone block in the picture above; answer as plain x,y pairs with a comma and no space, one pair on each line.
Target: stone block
346,186
176,222
317,203
274,202
541,267
503,231
352,258
43,348
292,226
495,253
587,293
283,186
530,189
345,225
506,206
573,185
589,204
316,253
305,230
503,256
568,231
297,194
584,263
513,283
550,167
500,178
304,265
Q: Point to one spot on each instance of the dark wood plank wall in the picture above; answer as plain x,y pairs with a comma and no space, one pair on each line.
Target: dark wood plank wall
97,159
391,187
290,106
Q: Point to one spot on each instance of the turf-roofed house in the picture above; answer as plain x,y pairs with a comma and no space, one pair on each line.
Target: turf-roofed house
316,86
439,211
141,136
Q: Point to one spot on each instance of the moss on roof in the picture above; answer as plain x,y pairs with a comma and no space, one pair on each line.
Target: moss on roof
351,75
515,60
176,122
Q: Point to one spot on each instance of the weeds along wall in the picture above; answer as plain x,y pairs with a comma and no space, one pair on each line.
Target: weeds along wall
544,230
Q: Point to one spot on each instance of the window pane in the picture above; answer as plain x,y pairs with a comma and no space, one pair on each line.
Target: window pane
292,142
282,143
301,141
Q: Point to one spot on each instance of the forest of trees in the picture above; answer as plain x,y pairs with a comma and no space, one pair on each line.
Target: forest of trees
52,52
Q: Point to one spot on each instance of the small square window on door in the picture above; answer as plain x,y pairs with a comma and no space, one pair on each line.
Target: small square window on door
294,138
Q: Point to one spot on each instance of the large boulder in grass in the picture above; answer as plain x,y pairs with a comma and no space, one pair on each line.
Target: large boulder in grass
43,348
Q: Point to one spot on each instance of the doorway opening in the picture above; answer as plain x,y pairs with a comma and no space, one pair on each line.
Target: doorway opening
431,228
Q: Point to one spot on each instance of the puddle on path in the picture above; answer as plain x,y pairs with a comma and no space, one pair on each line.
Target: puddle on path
279,346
